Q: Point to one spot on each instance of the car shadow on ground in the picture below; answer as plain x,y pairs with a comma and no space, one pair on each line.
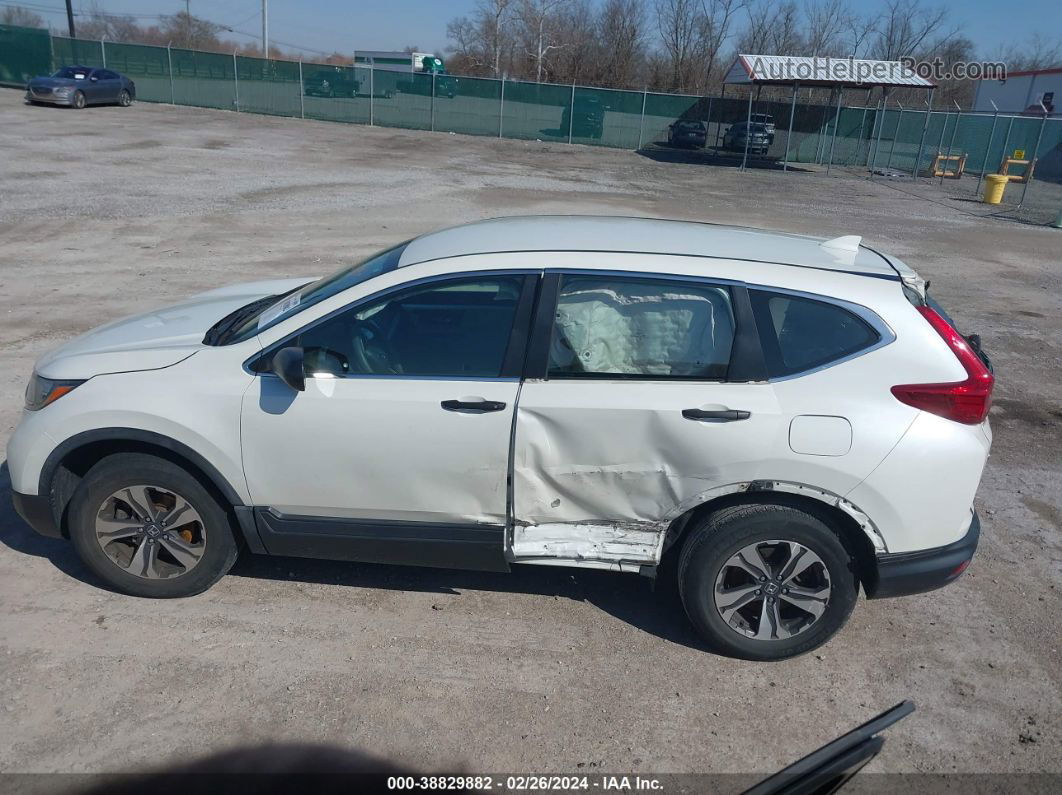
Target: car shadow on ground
20,537
712,156
651,606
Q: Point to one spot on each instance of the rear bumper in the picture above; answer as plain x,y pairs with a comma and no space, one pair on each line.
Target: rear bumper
36,510
905,573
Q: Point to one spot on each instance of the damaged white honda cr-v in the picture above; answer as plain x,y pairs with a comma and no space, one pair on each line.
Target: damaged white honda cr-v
793,418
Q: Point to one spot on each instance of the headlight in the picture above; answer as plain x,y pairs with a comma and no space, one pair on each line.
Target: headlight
61,90
42,391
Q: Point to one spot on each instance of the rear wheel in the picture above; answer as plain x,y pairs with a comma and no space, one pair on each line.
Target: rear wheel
149,528
766,581
125,99
77,102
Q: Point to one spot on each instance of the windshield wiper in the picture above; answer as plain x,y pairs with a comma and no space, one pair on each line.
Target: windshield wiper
220,331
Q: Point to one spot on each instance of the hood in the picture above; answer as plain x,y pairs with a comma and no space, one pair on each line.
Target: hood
155,339
55,82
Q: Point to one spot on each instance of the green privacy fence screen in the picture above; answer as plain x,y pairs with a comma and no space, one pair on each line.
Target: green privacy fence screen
24,53
891,140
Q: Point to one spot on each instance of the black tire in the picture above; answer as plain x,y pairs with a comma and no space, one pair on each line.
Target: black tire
709,547
123,470
77,102
125,99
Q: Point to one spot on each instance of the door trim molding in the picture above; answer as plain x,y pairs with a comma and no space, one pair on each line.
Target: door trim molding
442,545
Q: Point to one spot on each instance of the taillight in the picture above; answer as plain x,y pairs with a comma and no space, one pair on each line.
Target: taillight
962,401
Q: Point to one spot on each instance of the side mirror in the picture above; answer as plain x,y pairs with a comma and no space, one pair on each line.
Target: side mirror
289,367
94,79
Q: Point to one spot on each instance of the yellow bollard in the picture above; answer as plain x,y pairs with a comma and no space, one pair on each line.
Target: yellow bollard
994,186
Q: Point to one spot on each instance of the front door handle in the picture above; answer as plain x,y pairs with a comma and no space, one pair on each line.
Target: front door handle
719,415
473,405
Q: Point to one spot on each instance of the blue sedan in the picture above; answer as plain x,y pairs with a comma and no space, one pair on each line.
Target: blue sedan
78,86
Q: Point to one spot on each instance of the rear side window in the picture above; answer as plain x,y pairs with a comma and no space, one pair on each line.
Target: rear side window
801,334
641,328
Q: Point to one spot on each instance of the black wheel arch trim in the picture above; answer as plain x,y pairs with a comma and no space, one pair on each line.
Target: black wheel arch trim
907,573
134,435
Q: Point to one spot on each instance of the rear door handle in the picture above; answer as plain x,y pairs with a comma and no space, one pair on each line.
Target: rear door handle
720,415
473,405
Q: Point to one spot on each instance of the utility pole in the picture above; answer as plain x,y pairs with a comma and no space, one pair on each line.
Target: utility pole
265,28
70,18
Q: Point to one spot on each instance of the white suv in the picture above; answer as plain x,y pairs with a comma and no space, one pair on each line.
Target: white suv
792,418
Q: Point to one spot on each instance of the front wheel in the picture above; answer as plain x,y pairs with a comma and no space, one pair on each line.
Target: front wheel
766,581
78,100
149,528
125,99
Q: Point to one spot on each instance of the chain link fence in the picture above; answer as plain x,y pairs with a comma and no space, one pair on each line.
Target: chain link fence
891,141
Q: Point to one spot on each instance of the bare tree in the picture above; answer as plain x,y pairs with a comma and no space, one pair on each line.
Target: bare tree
716,24
858,34
1038,52
484,42
622,39
112,27
907,27
21,17
540,31
787,38
826,21
772,28
578,57
679,24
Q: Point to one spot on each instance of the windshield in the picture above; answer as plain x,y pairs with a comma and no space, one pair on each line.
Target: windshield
315,292
72,73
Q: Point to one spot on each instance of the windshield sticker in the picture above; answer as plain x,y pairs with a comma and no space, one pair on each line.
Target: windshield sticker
281,307
79,76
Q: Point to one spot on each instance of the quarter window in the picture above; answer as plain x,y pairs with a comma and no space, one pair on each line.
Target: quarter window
800,334
454,328
641,328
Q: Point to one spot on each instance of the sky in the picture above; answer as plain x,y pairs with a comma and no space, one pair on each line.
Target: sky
345,25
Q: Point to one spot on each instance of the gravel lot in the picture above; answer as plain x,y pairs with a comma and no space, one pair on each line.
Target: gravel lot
109,211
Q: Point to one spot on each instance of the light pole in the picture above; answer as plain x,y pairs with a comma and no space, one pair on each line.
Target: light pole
265,29
70,18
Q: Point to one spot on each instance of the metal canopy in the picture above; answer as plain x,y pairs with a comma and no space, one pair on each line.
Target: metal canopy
789,70
836,74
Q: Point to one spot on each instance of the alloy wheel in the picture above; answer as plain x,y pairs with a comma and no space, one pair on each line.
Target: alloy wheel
151,532
772,590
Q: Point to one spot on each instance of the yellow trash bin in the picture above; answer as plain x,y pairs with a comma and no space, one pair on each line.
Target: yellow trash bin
994,186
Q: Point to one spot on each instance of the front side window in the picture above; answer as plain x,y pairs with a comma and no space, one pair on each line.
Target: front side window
454,328
641,328
801,334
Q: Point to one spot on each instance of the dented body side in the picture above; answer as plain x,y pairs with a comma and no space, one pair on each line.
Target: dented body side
601,470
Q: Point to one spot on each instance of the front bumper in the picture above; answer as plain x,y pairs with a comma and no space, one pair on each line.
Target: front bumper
51,99
36,510
905,573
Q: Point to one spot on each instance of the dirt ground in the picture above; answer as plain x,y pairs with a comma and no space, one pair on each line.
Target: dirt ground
110,211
